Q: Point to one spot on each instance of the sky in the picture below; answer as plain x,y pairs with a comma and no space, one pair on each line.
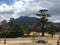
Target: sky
16,8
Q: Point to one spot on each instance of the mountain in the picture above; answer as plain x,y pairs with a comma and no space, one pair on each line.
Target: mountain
26,20
29,20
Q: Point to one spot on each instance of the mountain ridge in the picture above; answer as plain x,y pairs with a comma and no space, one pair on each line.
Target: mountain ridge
29,20
26,20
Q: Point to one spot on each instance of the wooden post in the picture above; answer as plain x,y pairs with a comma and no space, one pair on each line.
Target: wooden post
5,41
58,42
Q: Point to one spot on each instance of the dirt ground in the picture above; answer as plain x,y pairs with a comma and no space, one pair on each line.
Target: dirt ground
50,42
30,42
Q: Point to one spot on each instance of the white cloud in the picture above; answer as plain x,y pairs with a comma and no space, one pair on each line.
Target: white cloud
5,7
1,9
18,8
6,10
18,5
25,7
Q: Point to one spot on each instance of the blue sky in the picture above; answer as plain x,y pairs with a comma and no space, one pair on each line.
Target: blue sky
9,2
17,8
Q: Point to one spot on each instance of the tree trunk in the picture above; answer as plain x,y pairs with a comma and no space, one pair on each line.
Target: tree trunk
43,30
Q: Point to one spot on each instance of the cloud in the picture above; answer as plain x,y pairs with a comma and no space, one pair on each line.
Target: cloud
55,18
29,8
4,7
15,10
8,11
